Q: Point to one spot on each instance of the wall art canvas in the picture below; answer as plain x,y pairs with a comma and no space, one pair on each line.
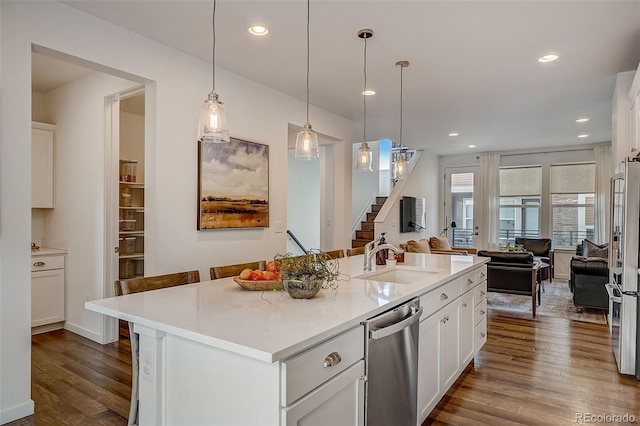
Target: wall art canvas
233,185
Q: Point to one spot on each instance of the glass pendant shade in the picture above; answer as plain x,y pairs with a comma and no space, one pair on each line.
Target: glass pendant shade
213,121
364,160
400,167
307,144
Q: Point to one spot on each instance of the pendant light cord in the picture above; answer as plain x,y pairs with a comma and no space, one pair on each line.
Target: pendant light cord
213,49
364,96
308,7
401,70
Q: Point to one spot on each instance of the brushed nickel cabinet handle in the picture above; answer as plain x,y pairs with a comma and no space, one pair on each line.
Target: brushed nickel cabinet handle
464,305
469,281
482,334
444,296
482,275
482,311
482,293
39,264
445,319
332,359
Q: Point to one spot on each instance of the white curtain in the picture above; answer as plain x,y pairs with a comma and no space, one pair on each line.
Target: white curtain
489,228
603,174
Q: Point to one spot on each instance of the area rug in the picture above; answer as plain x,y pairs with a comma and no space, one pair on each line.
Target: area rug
556,301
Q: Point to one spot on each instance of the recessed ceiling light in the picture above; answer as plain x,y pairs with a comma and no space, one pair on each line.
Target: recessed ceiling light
548,58
453,134
582,120
472,146
258,30
369,92
583,136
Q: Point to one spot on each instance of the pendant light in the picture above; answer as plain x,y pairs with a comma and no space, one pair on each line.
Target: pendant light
213,114
400,166
307,139
364,160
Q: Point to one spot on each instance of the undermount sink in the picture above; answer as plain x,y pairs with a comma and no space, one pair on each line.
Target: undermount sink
399,275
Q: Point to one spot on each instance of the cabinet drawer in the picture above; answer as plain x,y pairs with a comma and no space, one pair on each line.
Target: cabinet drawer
306,371
481,293
44,263
480,312
481,274
480,335
439,297
468,281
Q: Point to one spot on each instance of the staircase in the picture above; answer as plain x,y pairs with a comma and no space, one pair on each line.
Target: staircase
366,232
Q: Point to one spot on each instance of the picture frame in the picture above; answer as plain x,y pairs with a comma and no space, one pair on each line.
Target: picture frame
233,185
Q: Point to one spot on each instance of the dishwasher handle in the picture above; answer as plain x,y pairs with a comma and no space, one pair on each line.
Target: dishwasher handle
396,327
612,296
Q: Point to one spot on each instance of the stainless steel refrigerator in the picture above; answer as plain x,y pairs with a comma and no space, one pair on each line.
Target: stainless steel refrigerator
624,312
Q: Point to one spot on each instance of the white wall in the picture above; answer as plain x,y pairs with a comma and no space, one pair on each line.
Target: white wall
173,97
366,183
422,183
303,200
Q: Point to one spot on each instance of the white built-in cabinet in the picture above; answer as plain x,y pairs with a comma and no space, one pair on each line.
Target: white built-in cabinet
453,329
42,165
47,290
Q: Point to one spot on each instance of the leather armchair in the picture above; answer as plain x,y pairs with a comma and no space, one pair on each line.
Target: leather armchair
514,273
589,274
541,249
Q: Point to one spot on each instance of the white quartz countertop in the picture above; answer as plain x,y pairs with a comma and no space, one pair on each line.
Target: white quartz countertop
46,251
271,326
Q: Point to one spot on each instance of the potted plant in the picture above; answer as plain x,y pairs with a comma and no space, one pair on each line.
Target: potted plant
303,276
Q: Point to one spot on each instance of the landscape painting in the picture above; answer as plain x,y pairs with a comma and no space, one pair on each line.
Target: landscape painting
233,185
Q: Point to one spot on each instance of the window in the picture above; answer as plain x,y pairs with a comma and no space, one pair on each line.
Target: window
572,203
520,191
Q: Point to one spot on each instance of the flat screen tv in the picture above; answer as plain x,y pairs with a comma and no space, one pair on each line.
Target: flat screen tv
412,214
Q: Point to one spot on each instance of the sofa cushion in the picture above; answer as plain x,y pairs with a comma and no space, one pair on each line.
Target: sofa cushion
439,243
421,246
537,246
591,249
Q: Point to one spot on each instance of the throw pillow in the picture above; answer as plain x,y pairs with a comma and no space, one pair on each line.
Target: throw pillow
591,249
439,243
421,246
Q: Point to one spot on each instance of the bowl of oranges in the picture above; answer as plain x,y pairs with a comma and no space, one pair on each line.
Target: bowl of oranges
259,280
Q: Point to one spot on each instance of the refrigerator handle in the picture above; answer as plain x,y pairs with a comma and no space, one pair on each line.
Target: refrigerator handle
612,296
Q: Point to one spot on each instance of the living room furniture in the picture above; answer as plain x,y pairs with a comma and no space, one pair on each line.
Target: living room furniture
513,273
541,249
589,274
435,245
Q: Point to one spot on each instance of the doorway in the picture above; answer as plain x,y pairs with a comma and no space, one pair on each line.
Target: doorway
462,214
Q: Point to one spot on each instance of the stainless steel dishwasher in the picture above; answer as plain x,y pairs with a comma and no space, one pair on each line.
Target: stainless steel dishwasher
392,366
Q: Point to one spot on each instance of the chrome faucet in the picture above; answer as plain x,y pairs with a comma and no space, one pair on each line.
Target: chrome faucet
370,251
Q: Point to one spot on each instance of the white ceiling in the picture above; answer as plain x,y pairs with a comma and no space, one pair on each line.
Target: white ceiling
473,69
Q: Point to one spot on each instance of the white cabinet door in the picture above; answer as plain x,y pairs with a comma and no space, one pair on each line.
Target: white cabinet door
47,297
41,168
449,337
340,401
467,323
428,366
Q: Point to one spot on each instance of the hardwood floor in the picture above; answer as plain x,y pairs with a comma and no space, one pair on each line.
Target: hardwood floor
531,372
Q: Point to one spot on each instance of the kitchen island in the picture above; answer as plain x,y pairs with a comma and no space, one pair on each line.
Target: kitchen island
213,353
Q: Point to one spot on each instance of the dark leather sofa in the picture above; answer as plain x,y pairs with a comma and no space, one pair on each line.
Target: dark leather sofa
541,249
589,274
514,273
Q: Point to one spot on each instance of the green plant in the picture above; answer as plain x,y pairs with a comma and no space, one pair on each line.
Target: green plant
315,265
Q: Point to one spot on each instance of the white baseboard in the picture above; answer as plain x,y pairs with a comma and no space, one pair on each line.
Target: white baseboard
45,328
17,412
89,334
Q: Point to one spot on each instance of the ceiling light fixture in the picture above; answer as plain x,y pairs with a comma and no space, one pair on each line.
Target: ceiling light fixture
307,139
213,114
582,120
258,30
453,134
369,92
472,146
548,58
364,160
400,164
583,136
